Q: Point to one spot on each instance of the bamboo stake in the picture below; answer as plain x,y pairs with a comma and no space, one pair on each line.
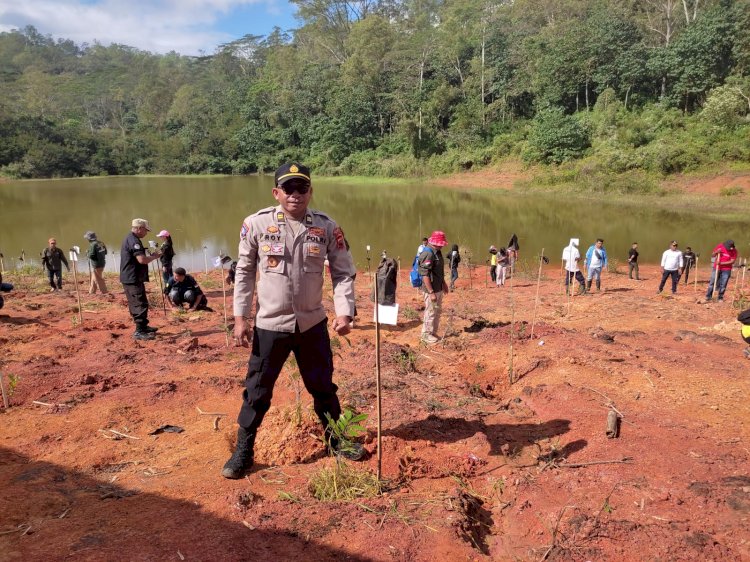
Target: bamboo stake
157,274
716,276
78,292
512,323
2,264
224,304
744,269
205,259
536,300
695,276
377,378
736,284
2,388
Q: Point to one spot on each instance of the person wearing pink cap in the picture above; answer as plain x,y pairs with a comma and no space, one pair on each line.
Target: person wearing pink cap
431,267
167,255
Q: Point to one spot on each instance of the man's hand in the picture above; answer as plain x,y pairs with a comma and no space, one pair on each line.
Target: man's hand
341,325
433,297
241,332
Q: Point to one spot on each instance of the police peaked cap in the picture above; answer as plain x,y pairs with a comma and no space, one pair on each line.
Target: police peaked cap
290,171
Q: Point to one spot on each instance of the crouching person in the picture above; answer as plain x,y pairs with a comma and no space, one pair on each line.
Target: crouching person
183,289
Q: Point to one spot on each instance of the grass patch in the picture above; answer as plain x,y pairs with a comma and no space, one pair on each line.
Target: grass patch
341,481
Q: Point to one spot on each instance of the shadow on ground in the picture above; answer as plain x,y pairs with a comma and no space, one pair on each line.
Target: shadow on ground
74,515
450,430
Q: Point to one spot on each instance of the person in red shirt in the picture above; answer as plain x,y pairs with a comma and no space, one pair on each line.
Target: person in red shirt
724,255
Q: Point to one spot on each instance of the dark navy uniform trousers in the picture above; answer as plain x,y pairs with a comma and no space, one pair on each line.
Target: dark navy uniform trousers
312,349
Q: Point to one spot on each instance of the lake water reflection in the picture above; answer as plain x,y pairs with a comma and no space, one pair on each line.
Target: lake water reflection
208,211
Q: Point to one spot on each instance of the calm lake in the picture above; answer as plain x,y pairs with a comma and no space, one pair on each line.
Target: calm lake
208,212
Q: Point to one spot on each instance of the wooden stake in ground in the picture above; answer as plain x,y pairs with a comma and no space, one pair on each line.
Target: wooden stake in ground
2,388
511,376
695,275
468,266
744,269
716,275
536,300
205,259
377,377
736,284
73,255
2,263
157,274
224,303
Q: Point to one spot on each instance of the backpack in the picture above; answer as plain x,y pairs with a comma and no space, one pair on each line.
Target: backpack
744,317
387,279
414,276
101,250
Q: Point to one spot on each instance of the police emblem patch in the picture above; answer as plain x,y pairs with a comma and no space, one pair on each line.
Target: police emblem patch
339,235
293,169
265,248
136,246
272,261
314,250
243,231
316,231
272,229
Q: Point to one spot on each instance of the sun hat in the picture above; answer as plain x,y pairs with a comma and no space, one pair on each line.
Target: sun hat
437,238
163,234
137,223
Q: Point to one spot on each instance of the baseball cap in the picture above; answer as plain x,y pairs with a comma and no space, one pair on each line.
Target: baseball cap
437,238
90,235
140,223
290,171
163,234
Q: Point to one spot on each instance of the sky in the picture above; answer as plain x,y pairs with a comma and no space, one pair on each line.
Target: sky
189,27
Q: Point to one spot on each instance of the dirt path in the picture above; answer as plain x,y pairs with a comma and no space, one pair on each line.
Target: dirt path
478,469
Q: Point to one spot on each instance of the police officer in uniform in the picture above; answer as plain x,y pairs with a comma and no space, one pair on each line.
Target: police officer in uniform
133,276
287,246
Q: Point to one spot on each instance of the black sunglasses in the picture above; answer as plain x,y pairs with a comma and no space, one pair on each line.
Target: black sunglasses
291,187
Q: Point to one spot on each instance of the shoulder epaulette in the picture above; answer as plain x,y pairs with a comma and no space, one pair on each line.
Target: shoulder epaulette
264,211
320,214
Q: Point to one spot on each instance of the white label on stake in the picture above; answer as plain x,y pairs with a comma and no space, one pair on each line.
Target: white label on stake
387,314
73,256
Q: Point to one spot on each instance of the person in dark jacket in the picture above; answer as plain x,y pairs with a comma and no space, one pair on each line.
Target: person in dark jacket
53,259
454,258
183,289
167,255
134,276
97,253
4,288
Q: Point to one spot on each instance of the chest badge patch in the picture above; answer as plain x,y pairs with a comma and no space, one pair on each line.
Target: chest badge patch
265,248
273,261
272,229
136,246
314,250
316,231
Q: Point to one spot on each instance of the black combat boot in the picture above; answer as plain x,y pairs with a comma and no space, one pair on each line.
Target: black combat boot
242,458
598,284
588,285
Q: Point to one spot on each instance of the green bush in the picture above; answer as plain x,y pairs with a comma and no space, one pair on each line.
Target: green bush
555,138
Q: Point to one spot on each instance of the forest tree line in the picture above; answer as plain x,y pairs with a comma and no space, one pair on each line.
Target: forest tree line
395,88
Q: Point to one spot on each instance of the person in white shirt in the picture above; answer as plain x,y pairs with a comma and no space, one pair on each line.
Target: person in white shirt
671,264
571,256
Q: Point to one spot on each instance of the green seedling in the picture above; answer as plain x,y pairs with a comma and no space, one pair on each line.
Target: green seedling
345,430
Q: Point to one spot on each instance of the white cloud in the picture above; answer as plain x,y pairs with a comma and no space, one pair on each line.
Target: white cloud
185,26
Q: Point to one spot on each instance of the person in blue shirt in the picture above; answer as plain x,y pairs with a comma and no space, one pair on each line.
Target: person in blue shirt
596,260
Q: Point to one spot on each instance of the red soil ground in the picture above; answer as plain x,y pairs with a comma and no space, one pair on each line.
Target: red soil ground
476,468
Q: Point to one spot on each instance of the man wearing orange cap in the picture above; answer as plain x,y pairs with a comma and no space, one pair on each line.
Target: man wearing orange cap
432,269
